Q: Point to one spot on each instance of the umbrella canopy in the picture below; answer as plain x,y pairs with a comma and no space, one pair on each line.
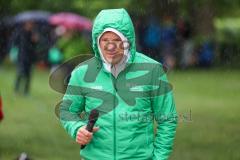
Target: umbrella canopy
37,16
71,21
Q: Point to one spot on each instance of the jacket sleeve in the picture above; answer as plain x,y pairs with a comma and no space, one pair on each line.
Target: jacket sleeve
166,117
72,105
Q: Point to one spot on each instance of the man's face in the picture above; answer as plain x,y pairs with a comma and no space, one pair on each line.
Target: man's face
112,47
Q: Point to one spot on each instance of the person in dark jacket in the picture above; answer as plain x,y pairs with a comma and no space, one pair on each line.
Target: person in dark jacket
25,42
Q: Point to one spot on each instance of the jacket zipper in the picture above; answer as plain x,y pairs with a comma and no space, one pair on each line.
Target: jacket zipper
114,118
114,80
114,132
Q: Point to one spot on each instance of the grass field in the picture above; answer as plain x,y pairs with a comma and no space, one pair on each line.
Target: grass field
213,97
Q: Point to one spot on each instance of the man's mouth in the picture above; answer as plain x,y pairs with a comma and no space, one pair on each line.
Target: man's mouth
112,53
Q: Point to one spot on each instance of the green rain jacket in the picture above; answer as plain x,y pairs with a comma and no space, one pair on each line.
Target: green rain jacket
129,105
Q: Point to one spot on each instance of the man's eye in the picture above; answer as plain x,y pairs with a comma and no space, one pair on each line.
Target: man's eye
116,41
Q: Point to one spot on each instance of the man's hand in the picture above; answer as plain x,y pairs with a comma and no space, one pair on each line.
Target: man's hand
84,136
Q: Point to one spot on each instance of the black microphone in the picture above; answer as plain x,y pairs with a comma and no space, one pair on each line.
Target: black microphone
91,121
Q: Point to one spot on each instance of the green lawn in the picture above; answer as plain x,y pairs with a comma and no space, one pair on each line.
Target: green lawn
213,97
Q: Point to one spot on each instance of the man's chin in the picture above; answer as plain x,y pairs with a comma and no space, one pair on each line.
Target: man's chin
111,61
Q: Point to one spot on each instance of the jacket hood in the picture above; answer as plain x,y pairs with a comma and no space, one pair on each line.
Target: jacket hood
118,19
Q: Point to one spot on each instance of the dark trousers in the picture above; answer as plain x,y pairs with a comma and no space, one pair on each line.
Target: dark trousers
23,78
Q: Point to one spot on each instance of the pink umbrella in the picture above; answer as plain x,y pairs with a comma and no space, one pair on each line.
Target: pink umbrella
71,21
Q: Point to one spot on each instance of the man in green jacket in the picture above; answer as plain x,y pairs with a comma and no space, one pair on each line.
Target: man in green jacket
130,91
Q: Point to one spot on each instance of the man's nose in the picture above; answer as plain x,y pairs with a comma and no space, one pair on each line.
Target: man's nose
110,46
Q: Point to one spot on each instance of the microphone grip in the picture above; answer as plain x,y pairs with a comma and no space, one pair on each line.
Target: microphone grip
88,128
